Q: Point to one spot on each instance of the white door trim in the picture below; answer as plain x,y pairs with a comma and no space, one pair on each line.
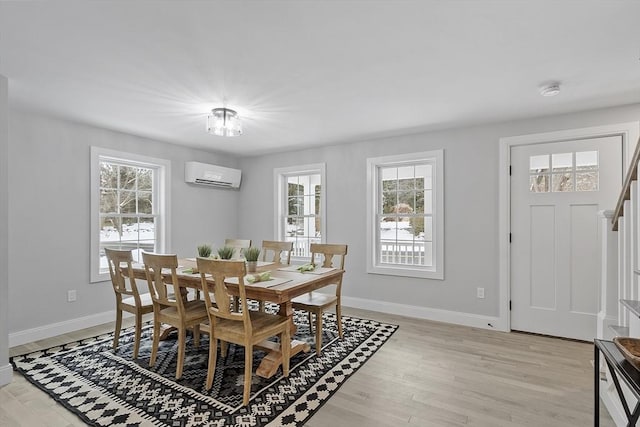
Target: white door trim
629,131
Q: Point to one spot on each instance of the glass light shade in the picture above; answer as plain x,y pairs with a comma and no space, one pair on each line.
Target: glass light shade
224,122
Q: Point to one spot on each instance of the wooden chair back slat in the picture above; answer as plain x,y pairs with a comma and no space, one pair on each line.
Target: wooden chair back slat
159,287
117,260
275,249
221,270
239,245
328,251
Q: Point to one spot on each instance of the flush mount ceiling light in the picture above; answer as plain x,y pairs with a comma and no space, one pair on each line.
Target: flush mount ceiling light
224,122
551,89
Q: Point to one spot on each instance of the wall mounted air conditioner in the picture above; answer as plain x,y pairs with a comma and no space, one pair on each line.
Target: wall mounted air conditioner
212,175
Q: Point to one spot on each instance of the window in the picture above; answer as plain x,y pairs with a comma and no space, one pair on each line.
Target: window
129,200
300,211
577,171
405,224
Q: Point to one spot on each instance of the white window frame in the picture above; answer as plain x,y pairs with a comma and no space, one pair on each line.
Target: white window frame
162,187
436,159
280,192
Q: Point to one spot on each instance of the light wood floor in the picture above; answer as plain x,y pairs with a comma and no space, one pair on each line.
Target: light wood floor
428,374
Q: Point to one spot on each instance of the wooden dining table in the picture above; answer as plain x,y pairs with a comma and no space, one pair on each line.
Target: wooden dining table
286,283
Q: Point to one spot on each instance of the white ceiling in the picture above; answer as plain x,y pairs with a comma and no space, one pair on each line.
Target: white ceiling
305,73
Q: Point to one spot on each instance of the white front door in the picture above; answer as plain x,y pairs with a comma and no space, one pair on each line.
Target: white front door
556,191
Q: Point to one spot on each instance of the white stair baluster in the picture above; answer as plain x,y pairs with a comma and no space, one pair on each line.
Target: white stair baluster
623,314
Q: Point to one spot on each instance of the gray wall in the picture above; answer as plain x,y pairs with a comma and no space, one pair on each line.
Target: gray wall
471,206
49,213
4,226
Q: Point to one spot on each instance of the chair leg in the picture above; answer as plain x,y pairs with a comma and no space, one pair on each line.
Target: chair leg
136,344
248,369
196,335
236,304
211,370
261,306
318,333
309,314
285,347
116,334
224,346
339,319
156,341
182,332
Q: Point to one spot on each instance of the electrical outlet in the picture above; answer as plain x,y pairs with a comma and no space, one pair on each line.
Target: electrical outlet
480,293
71,295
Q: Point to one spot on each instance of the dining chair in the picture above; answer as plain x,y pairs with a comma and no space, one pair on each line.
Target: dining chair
174,310
316,302
272,251
246,328
275,249
128,298
239,245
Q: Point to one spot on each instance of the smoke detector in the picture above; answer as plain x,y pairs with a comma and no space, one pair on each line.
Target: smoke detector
550,89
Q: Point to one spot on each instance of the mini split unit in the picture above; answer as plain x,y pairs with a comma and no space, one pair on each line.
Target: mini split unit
212,175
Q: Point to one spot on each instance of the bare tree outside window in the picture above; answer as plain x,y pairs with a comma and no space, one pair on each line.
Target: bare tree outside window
577,171
127,214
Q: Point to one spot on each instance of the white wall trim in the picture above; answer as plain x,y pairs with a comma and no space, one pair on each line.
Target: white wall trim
54,329
6,374
427,313
629,132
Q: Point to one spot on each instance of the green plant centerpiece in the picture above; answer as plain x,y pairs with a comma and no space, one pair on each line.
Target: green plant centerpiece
204,251
251,254
226,252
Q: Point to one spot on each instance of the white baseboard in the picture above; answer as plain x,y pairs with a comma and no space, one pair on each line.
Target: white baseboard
6,373
48,331
438,315
466,319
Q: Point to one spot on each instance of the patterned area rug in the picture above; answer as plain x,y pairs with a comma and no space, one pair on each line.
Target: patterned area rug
107,388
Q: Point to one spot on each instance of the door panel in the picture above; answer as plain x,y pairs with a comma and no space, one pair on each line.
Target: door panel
542,252
584,277
556,191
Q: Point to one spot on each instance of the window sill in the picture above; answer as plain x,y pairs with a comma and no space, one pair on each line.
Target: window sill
406,272
102,277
